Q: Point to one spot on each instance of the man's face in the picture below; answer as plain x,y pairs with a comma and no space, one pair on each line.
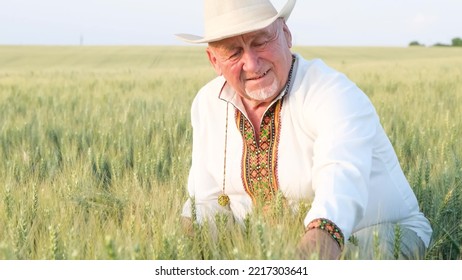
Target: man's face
255,64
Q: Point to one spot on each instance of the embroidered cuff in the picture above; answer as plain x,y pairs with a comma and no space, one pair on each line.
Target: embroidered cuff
330,228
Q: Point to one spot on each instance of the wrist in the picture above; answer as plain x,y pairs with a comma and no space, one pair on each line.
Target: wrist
330,228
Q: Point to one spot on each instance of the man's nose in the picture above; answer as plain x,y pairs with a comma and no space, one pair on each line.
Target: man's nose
251,61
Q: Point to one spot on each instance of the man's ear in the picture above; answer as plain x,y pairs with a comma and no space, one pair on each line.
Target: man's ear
287,34
213,60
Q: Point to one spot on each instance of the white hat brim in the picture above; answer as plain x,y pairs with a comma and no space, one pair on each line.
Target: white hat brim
239,30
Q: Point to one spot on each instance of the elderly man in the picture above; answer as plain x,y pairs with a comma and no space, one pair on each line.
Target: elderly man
275,123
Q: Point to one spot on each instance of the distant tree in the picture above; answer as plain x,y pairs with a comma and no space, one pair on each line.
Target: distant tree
457,42
441,45
415,43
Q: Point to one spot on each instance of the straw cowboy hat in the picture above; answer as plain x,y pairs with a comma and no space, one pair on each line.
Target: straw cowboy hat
228,18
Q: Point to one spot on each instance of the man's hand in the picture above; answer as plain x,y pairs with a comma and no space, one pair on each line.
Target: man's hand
317,243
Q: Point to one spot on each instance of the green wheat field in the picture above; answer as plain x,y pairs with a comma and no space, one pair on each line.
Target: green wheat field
95,149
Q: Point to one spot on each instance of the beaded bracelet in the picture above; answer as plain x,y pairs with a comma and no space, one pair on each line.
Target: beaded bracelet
330,227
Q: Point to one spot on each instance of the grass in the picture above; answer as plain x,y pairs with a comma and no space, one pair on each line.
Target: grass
95,147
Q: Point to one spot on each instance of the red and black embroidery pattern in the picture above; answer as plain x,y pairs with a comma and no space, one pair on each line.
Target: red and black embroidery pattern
259,160
330,228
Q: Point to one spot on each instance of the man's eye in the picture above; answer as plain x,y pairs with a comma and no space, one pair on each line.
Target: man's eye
235,54
261,44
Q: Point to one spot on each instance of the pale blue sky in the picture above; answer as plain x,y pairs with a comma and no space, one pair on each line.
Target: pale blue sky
153,22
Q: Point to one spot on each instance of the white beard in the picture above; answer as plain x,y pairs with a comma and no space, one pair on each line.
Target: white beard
264,93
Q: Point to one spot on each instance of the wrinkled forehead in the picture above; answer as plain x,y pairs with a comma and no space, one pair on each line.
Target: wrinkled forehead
235,41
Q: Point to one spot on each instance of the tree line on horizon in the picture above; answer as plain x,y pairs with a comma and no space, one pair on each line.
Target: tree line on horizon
455,42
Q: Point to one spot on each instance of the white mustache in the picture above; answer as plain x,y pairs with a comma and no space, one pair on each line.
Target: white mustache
259,76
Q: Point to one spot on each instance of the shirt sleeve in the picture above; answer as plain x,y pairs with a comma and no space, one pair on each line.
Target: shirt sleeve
345,124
